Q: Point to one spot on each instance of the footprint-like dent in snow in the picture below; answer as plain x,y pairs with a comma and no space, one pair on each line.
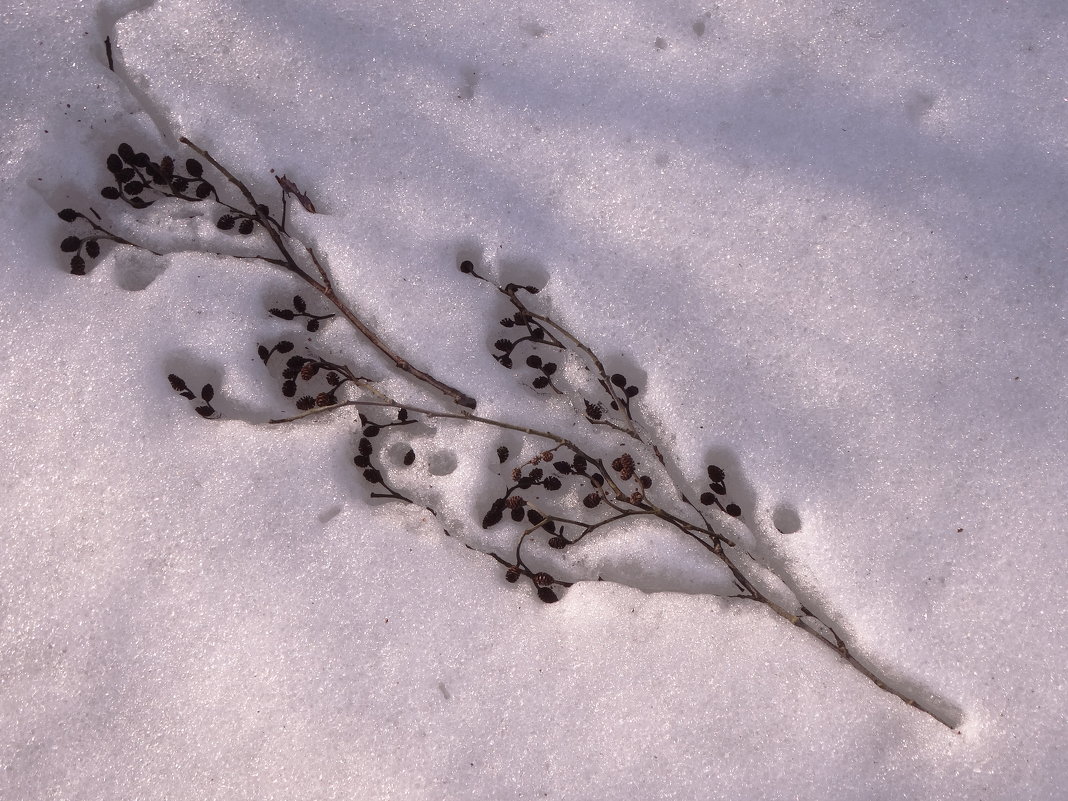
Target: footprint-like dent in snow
329,513
441,463
786,519
535,29
660,43
469,77
919,104
135,270
525,271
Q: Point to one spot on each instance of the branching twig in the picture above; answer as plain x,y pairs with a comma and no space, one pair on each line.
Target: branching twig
562,494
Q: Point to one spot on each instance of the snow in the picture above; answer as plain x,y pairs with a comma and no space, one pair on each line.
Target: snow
828,241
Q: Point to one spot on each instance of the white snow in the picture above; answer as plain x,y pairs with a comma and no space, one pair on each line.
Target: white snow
829,239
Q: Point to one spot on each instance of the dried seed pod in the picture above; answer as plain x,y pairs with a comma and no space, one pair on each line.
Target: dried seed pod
308,371
246,227
552,483
71,244
92,248
557,542
467,266
515,501
68,215
409,458
517,473
306,403
646,482
512,574
502,454
707,498
716,473
592,500
324,399
546,595
733,509
372,476
517,515
542,580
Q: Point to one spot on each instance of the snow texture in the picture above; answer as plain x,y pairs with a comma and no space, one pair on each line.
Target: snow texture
831,241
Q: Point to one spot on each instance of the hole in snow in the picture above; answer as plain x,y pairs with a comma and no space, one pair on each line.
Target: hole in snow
469,82
136,271
786,520
329,513
441,463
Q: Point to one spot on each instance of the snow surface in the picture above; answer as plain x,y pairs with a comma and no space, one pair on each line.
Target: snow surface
829,238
